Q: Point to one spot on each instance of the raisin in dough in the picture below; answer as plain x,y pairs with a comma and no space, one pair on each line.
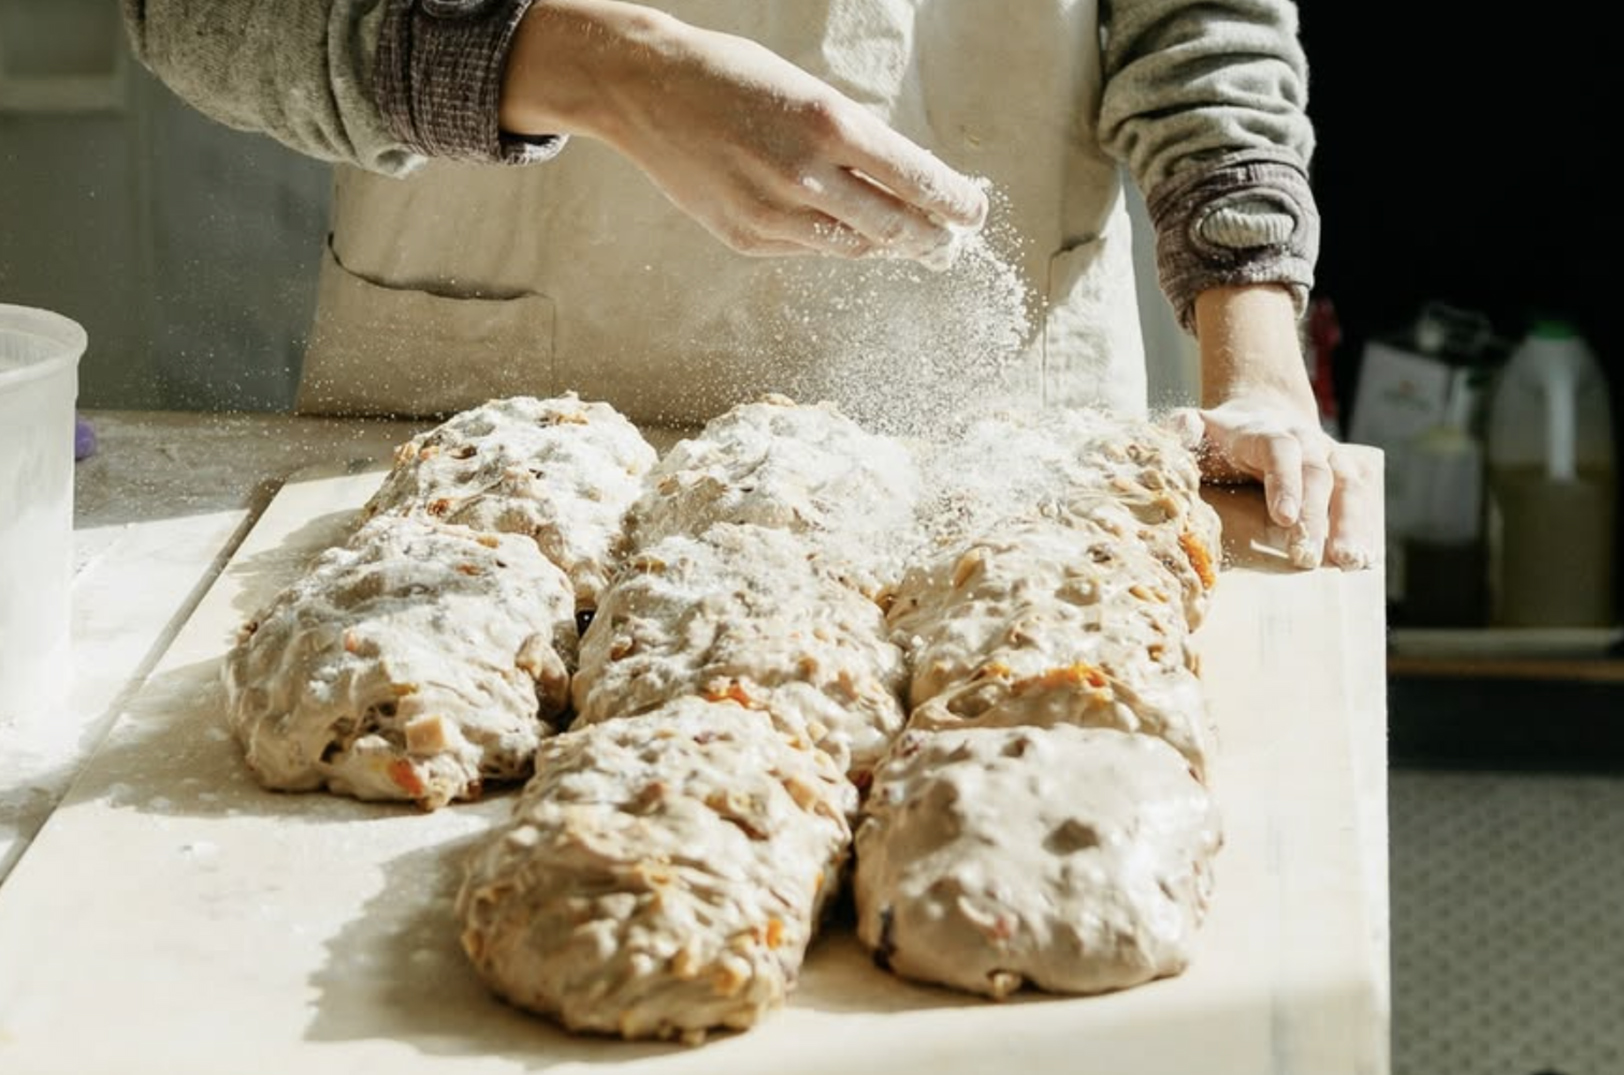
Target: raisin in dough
414,663
744,612
661,875
1039,623
809,470
559,470
1073,859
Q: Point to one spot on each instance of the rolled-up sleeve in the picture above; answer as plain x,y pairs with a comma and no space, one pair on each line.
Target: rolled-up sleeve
438,79
1204,103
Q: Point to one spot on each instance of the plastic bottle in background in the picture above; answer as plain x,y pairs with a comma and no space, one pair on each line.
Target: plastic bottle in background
1551,485
1445,553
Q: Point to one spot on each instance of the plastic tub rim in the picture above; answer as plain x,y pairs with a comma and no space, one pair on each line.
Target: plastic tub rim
66,334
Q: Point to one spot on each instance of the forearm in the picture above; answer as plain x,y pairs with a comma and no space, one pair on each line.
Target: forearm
1249,346
569,56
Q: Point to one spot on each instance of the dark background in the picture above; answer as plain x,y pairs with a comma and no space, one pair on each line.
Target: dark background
1466,157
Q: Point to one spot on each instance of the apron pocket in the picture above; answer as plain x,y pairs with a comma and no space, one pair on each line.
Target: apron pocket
378,350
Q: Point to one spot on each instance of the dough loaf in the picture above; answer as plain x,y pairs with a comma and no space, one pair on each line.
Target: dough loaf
661,875
560,471
1073,859
808,470
1038,623
415,662
1126,473
744,612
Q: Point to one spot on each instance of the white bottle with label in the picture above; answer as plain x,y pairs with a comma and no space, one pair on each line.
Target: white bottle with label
1551,485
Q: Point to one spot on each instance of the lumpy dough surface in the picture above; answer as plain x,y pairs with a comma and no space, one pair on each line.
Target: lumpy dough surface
1127,473
1039,623
808,470
413,663
1076,860
661,875
746,613
561,471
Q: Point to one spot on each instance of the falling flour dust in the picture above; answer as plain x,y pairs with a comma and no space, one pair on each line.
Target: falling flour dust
902,348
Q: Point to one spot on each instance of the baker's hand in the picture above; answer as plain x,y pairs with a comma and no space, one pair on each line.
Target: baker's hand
768,158
1326,497
1260,424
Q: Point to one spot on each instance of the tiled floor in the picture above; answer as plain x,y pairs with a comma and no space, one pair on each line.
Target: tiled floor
1508,924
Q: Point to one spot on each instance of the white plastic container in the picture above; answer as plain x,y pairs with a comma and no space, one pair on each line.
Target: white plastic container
1551,485
39,384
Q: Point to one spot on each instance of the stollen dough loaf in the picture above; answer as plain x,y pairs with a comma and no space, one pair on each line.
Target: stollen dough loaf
661,875
415,662
1063,463
808,470
560,471
1038,623
1073,859
746,613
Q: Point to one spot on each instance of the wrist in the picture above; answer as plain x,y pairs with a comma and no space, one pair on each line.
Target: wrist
571,60
1249,346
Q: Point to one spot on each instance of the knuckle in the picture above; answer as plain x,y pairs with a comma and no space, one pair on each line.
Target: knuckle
1355,467
826,119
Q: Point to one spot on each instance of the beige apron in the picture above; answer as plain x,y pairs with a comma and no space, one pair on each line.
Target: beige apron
463,282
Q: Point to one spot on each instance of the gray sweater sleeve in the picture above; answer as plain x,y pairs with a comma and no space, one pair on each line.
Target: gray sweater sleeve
297,70
1204,102
380,84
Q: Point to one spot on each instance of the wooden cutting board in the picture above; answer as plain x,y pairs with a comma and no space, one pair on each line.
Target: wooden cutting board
173,917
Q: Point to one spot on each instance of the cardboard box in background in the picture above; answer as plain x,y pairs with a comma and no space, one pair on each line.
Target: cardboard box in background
1404,389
